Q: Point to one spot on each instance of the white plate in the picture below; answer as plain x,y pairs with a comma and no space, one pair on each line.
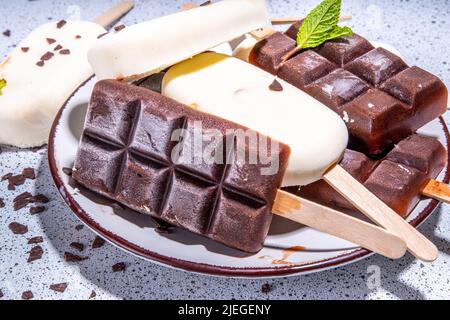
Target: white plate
135,233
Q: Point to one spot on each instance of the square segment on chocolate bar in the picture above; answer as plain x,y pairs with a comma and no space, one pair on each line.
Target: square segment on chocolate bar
127,153
317,73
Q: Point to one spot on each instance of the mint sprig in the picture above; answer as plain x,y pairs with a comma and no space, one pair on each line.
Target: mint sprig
320,25
2,85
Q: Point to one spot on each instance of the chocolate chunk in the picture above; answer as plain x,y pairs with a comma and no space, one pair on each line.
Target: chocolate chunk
50,40
17,180
37,209
59,287
70,257
29,173
78,246
17,228
79,227
61,24
27,295
77,36
35,254
7,33
40,63
36,240
47,56
58,47
2,203
40,198
119,27
266,288
67,171
11,187
22,203
102,35
93,294
276,86
22,196
24,49
121,266
65,51
98,242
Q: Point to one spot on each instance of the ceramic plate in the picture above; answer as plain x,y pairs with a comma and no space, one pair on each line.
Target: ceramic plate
289,249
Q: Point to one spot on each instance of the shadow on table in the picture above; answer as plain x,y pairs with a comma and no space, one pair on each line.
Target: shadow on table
137,281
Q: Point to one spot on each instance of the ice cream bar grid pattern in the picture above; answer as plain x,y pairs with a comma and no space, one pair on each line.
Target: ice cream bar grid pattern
371,88
125,154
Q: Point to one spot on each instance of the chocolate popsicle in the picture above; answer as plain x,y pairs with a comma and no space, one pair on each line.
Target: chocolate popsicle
397,179
125,155
381,99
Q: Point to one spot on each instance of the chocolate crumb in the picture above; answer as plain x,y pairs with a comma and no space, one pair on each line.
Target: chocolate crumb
65,51
40,198
18,228
51,41
93,294
119,27
6,176
24,49
98,242
27,295
7,33
78,246
70,257
79,227
29,173
102,35
2,203
206,3
58,47
40,63
47,56
77,36
59,287
36,240
276,86
266,288
121,266
67,171
35,254
61,24
36,210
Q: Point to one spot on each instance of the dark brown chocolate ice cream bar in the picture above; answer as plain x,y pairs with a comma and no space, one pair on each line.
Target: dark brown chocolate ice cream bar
397,179
378,95
125,154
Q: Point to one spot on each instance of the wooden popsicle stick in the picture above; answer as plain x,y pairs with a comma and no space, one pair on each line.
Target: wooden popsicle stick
437,190
290,20
380,213
115,13
339,224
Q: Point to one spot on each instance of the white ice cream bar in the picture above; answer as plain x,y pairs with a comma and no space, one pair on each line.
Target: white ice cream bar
232,89
41,73
146,48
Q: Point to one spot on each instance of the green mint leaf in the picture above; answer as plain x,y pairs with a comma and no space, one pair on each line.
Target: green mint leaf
2,85
321,25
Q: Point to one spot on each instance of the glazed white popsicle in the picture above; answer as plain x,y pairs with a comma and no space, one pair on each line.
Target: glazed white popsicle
232,89
40,74
146,48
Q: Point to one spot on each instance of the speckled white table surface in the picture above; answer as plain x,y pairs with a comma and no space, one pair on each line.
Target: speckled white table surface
419,29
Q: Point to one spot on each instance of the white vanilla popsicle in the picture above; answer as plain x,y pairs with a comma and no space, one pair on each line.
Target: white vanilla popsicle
146,48
40,75
232,89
